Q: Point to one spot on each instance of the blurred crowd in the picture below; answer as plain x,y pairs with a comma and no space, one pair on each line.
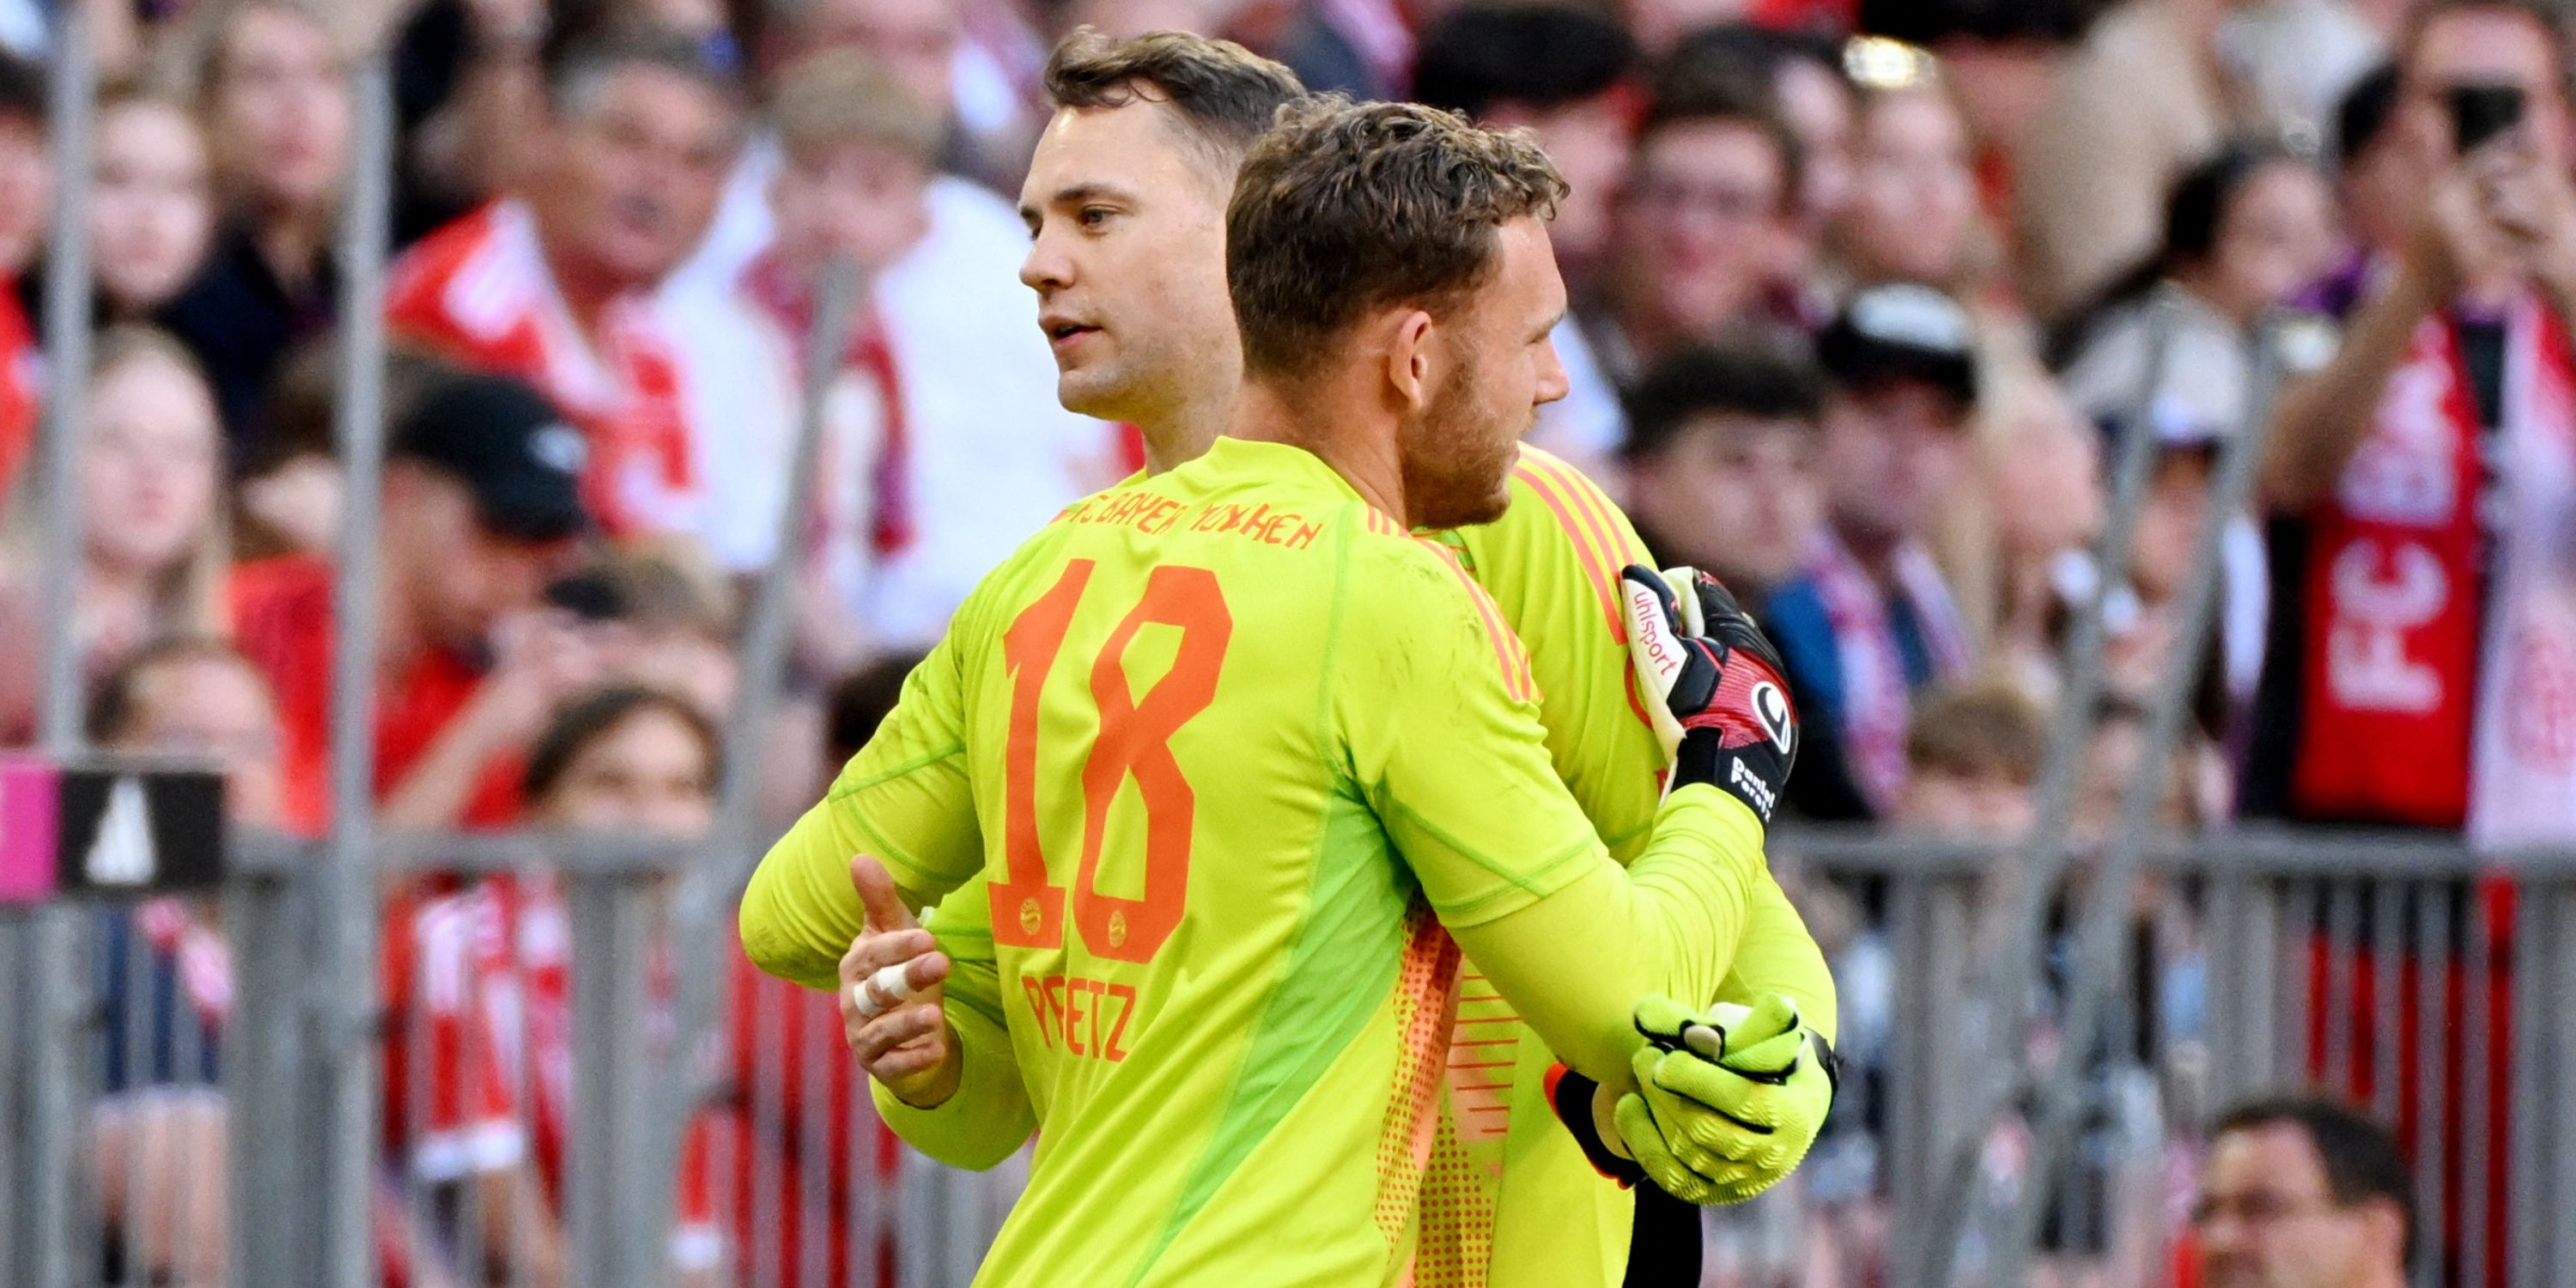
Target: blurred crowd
1868,296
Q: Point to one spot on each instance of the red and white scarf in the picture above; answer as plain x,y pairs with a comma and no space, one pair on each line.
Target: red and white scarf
1876,701
2422,705
199,958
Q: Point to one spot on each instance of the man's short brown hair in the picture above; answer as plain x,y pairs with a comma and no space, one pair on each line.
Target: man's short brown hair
1985,730
1226,94
843,96
1346,207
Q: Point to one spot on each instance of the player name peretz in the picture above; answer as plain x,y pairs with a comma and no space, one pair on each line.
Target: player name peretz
1082,1016
1155,514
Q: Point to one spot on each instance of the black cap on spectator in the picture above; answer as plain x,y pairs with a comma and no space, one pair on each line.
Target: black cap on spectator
508,446
1758,377
22,88
1927,22
2364,111
1541,55
1902,332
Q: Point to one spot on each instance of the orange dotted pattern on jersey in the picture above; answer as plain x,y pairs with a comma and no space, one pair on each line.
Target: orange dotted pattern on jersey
1425,1001
1483,1047
1457,1239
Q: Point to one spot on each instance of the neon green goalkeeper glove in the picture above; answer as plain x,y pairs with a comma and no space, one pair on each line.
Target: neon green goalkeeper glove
1728,1102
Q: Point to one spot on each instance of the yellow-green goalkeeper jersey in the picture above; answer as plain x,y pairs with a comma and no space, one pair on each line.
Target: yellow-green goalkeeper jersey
1221,742
1510,1201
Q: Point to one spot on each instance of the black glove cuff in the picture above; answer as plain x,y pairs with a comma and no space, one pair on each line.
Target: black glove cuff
1571,1095
1833,1067
1704,757
1699,759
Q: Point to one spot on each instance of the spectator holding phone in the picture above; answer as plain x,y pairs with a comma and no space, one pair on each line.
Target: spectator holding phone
2423,480
481,510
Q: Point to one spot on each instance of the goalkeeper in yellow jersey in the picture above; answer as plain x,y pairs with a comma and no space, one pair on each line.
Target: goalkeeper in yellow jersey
1552,563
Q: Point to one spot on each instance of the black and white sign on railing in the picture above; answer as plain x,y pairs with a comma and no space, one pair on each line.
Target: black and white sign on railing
107,827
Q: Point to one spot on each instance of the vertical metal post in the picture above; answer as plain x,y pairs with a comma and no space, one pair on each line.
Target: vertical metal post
2105,909
50,937
708,893
2387,976
2343,960
343,986
2528,1115
2005,973
2260,985
268,919
2433,1047
612,921
2477,1109
2557,906
2303,974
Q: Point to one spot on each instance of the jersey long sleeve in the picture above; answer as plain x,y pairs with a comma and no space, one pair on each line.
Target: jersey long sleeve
800,912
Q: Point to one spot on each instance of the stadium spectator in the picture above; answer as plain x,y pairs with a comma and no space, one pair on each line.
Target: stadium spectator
1706,223
268,82
2244,231
1972,756
289,495
1912,212
2143,97
944,60
151,542
480,510
26,195
976,60
552,284
1565,73
620,760
1817,102
151,205
159,1128
195,697
151,208
1870,619
1721,462
2043,493
673,618
859,154
2300,1192
987,455
2380,172
2421,641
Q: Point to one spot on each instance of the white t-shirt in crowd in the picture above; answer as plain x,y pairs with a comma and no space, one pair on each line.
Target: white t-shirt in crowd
989,455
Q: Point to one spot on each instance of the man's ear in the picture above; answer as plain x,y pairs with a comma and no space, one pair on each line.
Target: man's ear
1408,358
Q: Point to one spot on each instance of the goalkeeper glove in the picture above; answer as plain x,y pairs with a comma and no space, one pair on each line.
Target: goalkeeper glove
1712,685
1727,1103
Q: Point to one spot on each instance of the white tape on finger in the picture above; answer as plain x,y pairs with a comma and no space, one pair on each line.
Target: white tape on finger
889,983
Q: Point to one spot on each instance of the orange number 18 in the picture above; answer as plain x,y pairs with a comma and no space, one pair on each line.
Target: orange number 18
1134,742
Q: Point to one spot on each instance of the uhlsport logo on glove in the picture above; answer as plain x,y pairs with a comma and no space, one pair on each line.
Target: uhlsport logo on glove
1650,627
1771,708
